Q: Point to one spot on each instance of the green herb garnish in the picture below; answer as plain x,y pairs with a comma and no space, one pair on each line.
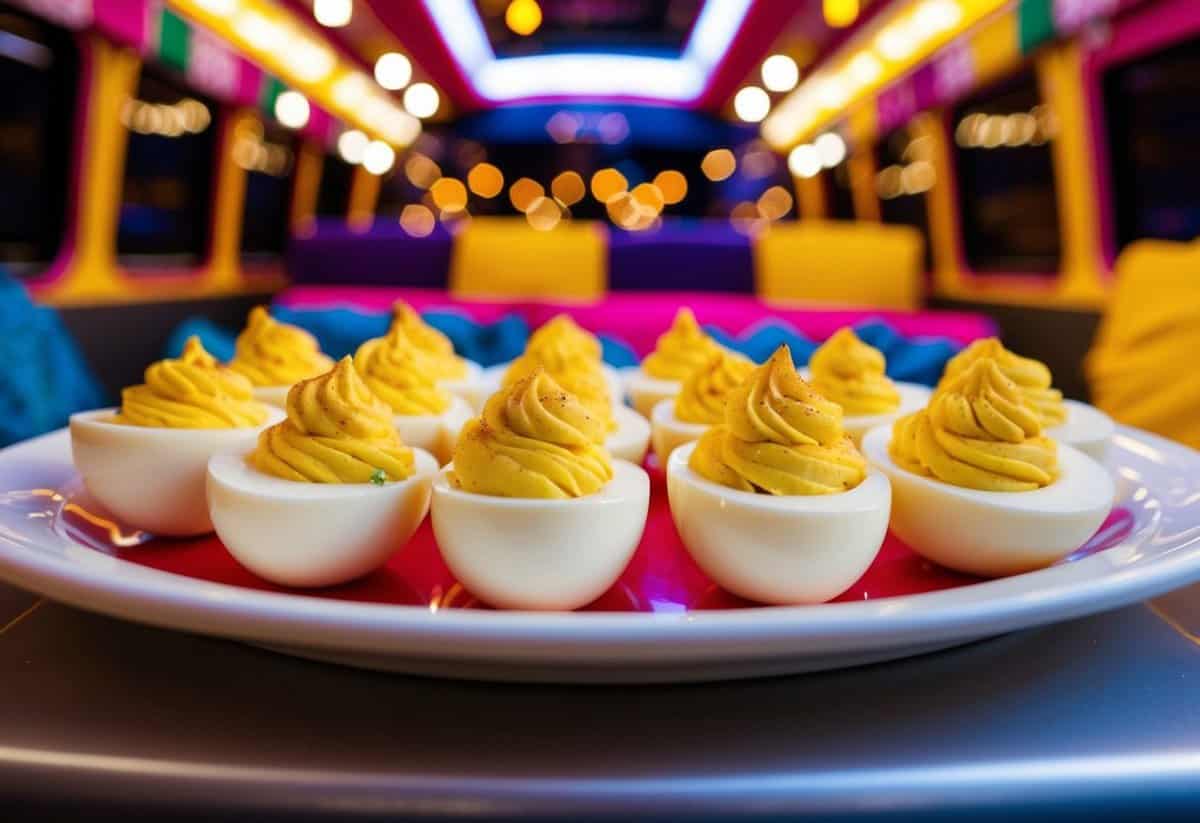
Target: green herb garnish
378,477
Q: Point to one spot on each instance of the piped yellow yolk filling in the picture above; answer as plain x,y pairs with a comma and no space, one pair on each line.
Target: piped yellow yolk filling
978,433
779,437
336,431
703,395
401,375
445,363
1032,377
533,440
851,374
193,392
681,350
571,356
271,353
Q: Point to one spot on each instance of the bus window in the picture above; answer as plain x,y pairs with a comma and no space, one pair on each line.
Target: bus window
39,71
840,192
1006,192
1153,111
165,200
396,192
267,152
333,197
905,172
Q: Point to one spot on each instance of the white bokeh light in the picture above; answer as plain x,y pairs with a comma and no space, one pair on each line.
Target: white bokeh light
292,109
780,73
333,13
378,157
751,104
831,148
805,161
351,145
421,100
393,71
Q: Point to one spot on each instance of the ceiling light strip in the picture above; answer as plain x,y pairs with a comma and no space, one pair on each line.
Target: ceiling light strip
274,39
594,75
887,48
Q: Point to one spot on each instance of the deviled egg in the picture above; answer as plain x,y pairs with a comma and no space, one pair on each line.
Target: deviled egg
700,404
561,337
776,504
533,513
457,375
328,494
1068,421
680,351
274,356
979,487
405,377
572,357
145,461
850,373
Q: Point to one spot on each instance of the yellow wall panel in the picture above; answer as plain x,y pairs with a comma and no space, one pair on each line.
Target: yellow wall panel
996,48
504,257
842,263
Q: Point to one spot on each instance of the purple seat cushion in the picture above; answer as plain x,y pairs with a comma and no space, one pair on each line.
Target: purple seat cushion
694,255
384,255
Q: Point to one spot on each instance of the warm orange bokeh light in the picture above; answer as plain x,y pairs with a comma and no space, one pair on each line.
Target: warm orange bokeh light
649,196
568,188
543,214
417,220
523,17
421,171
673,185
607,184
524,192
746,218
485,180
775,203
449,194
718,164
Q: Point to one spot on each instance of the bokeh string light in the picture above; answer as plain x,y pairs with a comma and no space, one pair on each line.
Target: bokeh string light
607,184
524,192
718,165
485,180
568,188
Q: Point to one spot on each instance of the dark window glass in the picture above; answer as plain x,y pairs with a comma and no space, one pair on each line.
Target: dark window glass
333,196
904,173
268,154
396,192
841,192
167,194
1006,187
39,71
1153,111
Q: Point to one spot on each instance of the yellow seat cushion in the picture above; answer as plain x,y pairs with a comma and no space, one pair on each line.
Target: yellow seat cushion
505,257
1140,369
844,263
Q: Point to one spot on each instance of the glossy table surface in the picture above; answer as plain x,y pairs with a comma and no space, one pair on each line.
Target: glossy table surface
1097,717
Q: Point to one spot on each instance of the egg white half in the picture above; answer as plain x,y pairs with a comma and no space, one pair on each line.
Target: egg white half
518,553
646,392
994,534
435,433
913,398
669,432
785,550
1087,429
471,387
313,534
152,478
632,437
